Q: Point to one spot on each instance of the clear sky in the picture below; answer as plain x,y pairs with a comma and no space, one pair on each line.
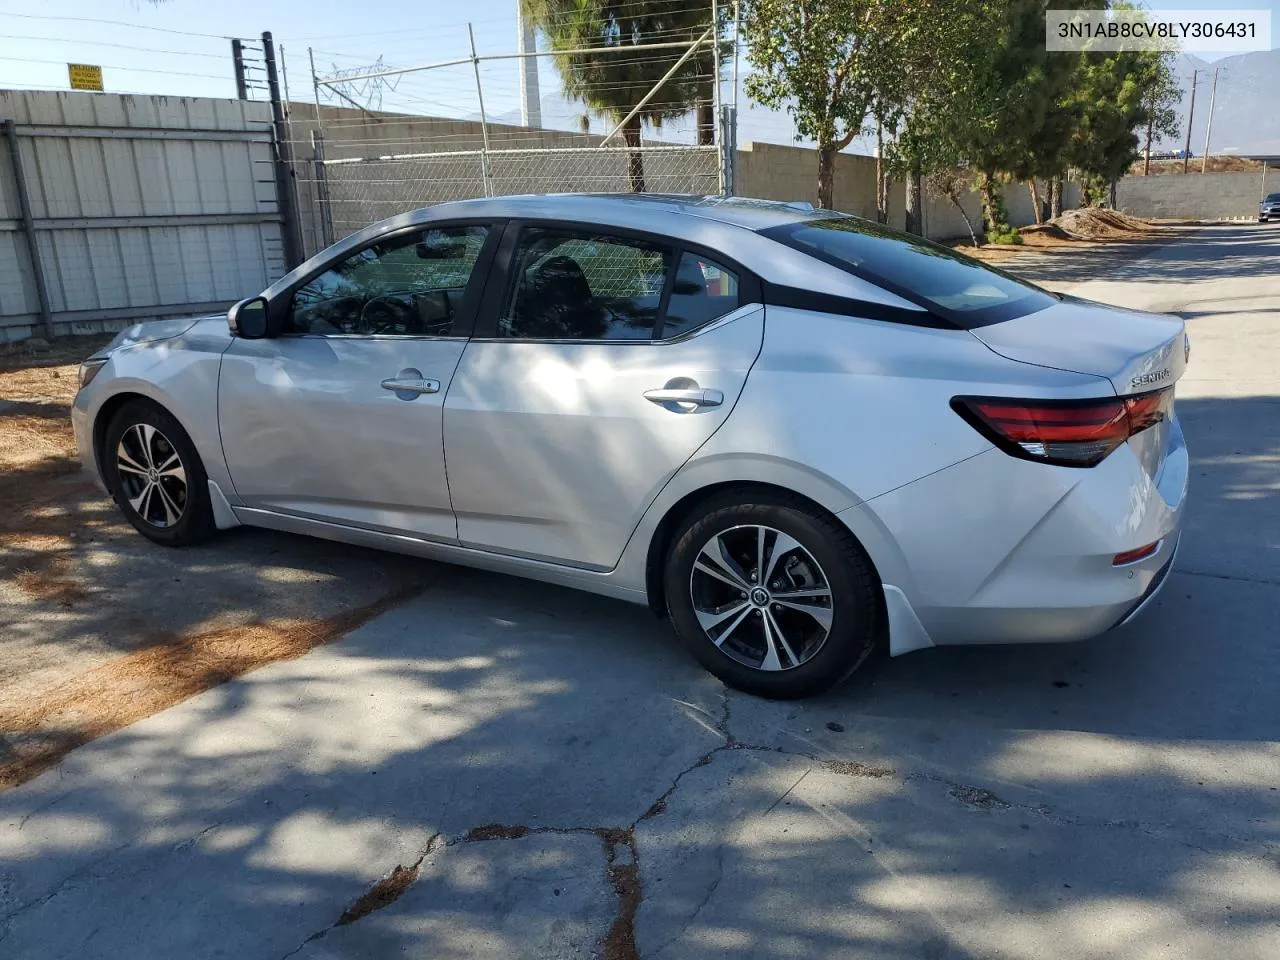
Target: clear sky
139,54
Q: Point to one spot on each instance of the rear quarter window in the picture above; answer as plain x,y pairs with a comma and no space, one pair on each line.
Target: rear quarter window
956,288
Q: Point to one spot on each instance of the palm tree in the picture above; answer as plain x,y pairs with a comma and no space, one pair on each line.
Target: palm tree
613,83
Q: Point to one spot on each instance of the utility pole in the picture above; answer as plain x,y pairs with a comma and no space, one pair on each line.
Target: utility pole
237,59
1213,95
1151,125
526,43
1186,149
290,231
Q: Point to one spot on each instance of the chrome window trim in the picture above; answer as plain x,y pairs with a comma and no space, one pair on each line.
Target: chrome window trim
741,311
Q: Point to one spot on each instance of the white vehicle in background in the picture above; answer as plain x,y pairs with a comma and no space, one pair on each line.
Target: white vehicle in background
797,434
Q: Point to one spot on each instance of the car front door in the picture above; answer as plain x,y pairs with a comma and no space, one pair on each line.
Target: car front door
340,417
598,368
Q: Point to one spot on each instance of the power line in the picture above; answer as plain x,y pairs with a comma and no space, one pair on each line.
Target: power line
113,23
117,66
120,46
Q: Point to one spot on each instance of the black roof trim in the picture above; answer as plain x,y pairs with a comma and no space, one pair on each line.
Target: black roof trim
779,295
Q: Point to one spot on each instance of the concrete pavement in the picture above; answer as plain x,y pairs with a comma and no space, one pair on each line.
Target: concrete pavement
554,777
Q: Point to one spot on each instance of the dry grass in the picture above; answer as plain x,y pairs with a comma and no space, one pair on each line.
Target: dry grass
51,583
134,686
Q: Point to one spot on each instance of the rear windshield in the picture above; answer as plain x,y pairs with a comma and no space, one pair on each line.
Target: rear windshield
949,284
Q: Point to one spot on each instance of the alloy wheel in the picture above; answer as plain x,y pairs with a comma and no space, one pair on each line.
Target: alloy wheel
761,597
152,476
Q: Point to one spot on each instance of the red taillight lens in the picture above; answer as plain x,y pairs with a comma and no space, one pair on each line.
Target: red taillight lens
1133,556
1071,433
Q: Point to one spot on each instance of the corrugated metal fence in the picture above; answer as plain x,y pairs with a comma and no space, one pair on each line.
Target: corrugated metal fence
117,209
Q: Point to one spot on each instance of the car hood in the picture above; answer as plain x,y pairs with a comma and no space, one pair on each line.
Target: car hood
1136,351
154,330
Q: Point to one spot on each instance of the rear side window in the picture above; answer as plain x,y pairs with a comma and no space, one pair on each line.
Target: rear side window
947,283
584,286
703,291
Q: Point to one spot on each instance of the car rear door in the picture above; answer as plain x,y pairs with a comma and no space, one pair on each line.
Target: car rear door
602,361
340,419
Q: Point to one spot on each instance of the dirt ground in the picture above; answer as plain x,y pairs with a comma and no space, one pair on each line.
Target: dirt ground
1219,164
1074,230
100,627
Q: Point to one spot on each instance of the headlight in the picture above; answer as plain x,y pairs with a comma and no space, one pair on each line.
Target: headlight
89,369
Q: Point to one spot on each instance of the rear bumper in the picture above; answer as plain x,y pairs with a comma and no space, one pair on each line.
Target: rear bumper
999,550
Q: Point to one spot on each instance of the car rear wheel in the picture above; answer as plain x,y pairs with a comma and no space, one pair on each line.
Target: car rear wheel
155,475
772,596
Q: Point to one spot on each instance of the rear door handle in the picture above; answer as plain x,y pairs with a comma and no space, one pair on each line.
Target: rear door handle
406,388
696,396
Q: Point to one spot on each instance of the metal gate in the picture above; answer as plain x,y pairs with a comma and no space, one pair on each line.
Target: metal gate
115,209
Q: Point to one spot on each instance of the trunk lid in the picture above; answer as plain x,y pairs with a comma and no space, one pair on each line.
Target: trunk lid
1137,352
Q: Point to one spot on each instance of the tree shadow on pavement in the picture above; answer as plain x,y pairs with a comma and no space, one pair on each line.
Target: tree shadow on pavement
1235,251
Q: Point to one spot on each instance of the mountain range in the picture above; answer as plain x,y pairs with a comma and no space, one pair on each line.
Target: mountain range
1245,116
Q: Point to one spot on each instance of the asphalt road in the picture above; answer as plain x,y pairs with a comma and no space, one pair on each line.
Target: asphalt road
558,779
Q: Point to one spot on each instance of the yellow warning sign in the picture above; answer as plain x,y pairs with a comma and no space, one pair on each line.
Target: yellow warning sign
85,76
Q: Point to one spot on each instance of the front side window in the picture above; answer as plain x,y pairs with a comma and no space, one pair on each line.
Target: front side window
578,285
409,285
953,286
703,291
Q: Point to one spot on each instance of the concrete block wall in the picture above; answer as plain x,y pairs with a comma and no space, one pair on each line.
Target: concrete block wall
1196,196
775,172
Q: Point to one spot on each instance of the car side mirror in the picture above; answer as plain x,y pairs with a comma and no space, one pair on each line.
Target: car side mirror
250,319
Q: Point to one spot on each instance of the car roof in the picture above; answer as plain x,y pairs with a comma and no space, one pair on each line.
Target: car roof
746,212
729,224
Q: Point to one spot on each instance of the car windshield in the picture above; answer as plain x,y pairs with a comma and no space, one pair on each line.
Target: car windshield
1273,198
949,284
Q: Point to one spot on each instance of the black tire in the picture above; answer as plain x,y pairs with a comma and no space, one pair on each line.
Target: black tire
153,515
854,595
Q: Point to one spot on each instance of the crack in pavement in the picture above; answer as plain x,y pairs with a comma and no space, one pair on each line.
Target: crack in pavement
706,898
62,884
384,892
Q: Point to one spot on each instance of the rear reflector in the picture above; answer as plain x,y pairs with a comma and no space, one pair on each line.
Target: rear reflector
1133,556
1069,433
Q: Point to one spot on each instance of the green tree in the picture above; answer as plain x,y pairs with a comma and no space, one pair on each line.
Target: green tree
1163,96
1018,128
611,84
1113,97
934,98
827,62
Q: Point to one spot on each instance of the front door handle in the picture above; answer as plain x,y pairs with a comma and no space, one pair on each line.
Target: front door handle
409,383
696,396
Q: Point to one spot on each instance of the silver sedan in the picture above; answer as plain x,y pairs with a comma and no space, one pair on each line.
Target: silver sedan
797,434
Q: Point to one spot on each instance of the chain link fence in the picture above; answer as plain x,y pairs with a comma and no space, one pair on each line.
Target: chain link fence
362,190
466,127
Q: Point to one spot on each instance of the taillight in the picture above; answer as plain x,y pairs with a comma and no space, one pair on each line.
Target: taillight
1069,433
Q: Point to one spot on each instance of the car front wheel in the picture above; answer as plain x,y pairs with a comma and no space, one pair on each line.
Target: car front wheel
155,475
772,596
